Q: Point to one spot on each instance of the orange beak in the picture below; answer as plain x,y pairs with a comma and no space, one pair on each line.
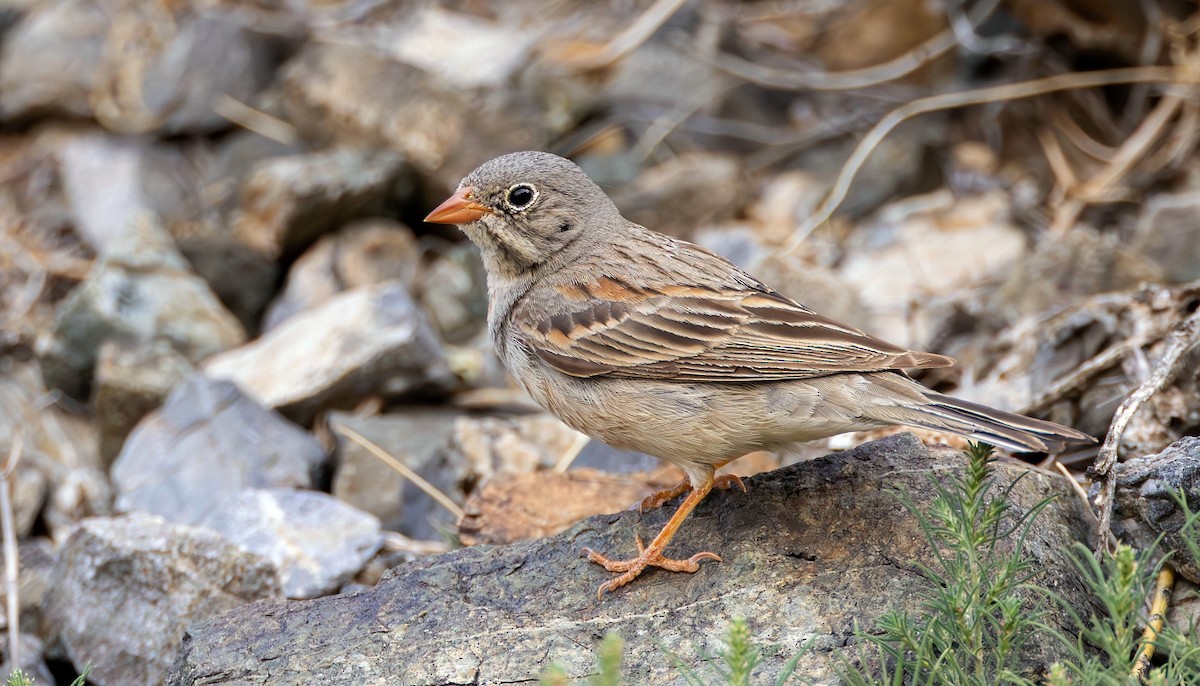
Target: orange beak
458,209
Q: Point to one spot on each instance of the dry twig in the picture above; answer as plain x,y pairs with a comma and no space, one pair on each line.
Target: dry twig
1163,586
851,79
404,470
12,559
1183,338
626,41
979,96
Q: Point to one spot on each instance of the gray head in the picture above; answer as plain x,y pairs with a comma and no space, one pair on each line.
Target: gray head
524,208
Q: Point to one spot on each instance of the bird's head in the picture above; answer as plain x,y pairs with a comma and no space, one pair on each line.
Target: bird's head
524,208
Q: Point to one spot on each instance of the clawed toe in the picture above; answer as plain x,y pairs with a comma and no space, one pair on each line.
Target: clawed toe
632,569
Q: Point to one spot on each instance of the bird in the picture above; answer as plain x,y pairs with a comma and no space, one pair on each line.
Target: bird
651,343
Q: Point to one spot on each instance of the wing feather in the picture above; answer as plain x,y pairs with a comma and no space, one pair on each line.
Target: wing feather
702,334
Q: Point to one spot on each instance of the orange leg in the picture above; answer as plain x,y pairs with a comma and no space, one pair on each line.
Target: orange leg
651,555
659,498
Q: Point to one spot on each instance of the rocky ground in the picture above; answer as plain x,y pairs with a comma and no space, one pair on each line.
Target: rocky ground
241,382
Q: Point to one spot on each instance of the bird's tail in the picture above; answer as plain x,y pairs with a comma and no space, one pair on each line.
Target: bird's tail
982,423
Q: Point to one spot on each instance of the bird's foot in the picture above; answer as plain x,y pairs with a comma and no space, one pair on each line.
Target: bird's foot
647,557
659,498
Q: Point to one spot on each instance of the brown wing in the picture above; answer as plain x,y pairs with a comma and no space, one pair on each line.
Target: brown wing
702,334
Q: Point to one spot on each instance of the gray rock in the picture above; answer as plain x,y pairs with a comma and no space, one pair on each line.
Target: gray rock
685,193
30,662
315,540
51,59
1167,234
366,253
287,202
28,489
37,556
414,437
60,445
177,81
124,589
355,93
131,380
452,288
812,550
363,342
1146,508
113,182
141,289
208,440
136,67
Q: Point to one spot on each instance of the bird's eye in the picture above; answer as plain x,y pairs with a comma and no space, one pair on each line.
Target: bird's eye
521,196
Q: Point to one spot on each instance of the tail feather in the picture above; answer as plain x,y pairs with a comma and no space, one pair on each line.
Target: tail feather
997,427
907,402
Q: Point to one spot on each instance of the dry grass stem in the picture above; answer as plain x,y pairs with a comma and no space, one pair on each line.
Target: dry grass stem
852,79
394,542
1074,483
628,40
404,470
1102,187
255,120
12,561
979,96
1163,587
572,452
1183,338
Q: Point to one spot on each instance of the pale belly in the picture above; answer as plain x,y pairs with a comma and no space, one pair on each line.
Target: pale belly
687,424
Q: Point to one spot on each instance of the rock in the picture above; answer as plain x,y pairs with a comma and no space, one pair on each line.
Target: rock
31,662
141,289
1168,236
135,67
496,445
452,288
50,61
909,241
28,488
315,540
1068,268
813,550
287,202
131,380
208,440
1145,502
482,54
685,193
517,507
176,67
354,93
112,183
365,253
37,556
125,588
365,341
416,438
59,444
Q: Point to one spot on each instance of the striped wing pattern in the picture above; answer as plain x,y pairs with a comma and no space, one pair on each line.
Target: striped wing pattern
700,333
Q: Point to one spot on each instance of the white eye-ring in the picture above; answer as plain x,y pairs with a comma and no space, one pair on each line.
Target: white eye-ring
520,197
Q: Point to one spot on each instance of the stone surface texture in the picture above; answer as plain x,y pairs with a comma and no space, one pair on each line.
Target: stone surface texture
811,550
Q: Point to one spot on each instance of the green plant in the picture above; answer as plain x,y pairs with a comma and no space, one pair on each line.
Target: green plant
738,658
976,619
20,678
608,662
1105,649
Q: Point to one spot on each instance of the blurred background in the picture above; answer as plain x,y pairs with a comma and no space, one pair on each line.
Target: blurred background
215,283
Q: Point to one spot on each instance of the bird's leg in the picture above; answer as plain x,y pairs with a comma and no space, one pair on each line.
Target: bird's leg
659,498
651,555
